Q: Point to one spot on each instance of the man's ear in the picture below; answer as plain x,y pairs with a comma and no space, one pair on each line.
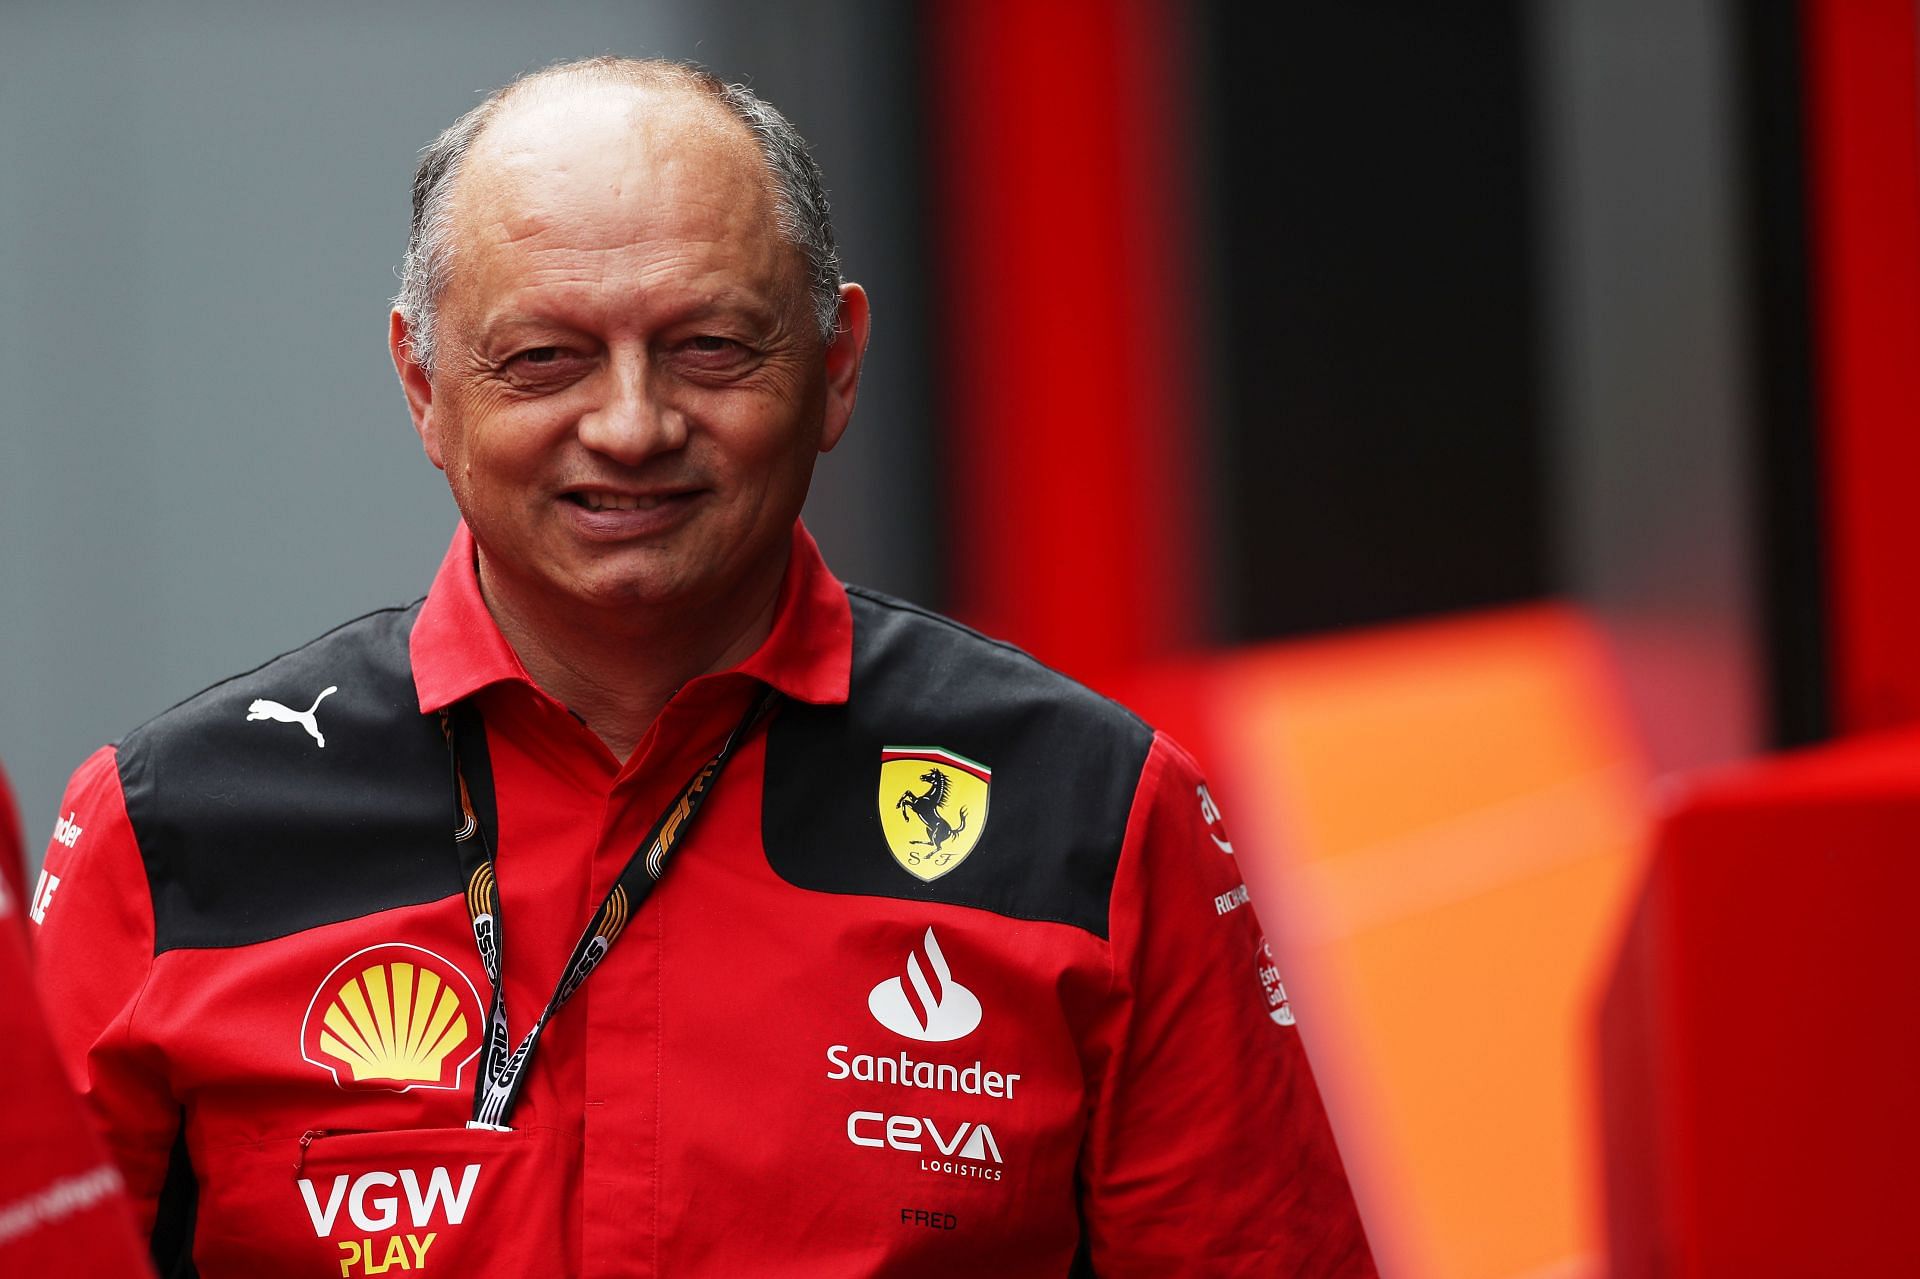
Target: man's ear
415,385
844,355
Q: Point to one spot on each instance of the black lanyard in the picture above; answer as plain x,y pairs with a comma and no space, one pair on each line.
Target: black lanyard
497,1086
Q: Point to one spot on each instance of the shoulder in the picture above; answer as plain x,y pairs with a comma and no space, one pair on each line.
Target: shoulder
1045,769
369,652
906,656
304,791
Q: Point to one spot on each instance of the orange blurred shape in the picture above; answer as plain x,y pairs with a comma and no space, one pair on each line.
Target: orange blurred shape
1441,823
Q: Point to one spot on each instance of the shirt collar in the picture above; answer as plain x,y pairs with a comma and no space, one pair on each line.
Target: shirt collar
457,649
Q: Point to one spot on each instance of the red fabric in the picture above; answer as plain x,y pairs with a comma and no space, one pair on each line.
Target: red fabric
1250,1184
63,1207
696,1109
1757,1046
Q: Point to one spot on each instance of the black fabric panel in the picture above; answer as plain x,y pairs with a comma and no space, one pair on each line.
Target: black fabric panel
1065,764
250,830
179,1210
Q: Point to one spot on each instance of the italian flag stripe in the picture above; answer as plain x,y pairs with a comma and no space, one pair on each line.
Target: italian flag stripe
934,753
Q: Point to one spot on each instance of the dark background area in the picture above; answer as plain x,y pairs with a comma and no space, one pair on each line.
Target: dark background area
1380,428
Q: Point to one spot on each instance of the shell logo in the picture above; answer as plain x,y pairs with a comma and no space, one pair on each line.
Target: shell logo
393,1016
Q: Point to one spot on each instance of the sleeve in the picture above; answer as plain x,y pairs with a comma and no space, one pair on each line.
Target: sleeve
92,917
1208,1150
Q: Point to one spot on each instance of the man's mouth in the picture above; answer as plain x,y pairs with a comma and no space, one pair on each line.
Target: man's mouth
622,501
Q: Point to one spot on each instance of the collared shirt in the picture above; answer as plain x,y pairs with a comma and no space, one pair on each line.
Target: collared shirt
571,815
954,974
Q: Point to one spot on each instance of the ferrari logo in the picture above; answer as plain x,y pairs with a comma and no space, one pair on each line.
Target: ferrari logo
933,806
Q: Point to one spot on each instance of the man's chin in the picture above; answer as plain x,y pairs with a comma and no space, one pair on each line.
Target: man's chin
682,573
559,581
624,592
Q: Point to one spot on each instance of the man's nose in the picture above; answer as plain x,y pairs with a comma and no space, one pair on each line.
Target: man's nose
633,420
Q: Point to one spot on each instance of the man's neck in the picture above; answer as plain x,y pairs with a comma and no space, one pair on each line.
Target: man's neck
617,668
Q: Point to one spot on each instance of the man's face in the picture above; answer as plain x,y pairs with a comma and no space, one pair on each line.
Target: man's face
630,389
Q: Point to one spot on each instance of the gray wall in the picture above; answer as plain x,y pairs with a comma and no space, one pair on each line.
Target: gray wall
204,458
1642,238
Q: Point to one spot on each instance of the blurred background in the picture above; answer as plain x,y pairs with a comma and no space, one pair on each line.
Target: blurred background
1456,422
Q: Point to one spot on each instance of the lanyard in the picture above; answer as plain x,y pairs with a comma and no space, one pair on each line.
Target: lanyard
497,1086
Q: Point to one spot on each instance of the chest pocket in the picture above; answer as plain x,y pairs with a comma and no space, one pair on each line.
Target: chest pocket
431,1201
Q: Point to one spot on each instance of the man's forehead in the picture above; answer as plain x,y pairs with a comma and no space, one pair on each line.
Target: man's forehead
609,148
549,120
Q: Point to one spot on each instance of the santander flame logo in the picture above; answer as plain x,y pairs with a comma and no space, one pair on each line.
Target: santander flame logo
927,1004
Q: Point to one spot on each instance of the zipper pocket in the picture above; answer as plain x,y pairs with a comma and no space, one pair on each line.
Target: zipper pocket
312,1135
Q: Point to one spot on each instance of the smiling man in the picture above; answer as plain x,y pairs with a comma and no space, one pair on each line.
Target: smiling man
645,901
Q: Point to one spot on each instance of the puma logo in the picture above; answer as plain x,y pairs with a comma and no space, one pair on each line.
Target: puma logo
264,708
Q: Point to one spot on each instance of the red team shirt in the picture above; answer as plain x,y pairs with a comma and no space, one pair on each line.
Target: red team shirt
1018,1020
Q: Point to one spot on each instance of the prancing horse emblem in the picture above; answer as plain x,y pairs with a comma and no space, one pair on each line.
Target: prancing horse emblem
933,807
927,808
265,708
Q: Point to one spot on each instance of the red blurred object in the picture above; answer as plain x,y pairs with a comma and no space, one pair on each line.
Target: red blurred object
63,1208
1863,129
13,861
1758,1040
1070,464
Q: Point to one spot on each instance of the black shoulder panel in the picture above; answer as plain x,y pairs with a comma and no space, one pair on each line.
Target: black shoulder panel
261,813
1064,763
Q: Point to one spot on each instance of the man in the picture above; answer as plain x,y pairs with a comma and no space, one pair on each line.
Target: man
937,977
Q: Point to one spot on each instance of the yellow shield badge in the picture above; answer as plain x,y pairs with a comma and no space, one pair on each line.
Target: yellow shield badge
933,806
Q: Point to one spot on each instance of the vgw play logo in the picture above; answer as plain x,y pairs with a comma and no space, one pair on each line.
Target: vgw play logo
372,1207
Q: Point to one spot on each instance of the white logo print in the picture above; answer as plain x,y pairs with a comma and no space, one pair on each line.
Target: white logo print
1210,813
927,1004
1278,1006
42,897
66,831
263,708
905,1132
421,1201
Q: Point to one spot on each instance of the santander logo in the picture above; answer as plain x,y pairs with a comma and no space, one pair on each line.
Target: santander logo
927,1003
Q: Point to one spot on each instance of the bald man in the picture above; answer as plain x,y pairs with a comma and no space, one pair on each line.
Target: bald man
644,900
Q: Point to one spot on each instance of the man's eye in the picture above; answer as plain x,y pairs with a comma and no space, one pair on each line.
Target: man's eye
539,355
711,344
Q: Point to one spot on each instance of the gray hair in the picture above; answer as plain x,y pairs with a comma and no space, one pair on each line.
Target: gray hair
798,188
